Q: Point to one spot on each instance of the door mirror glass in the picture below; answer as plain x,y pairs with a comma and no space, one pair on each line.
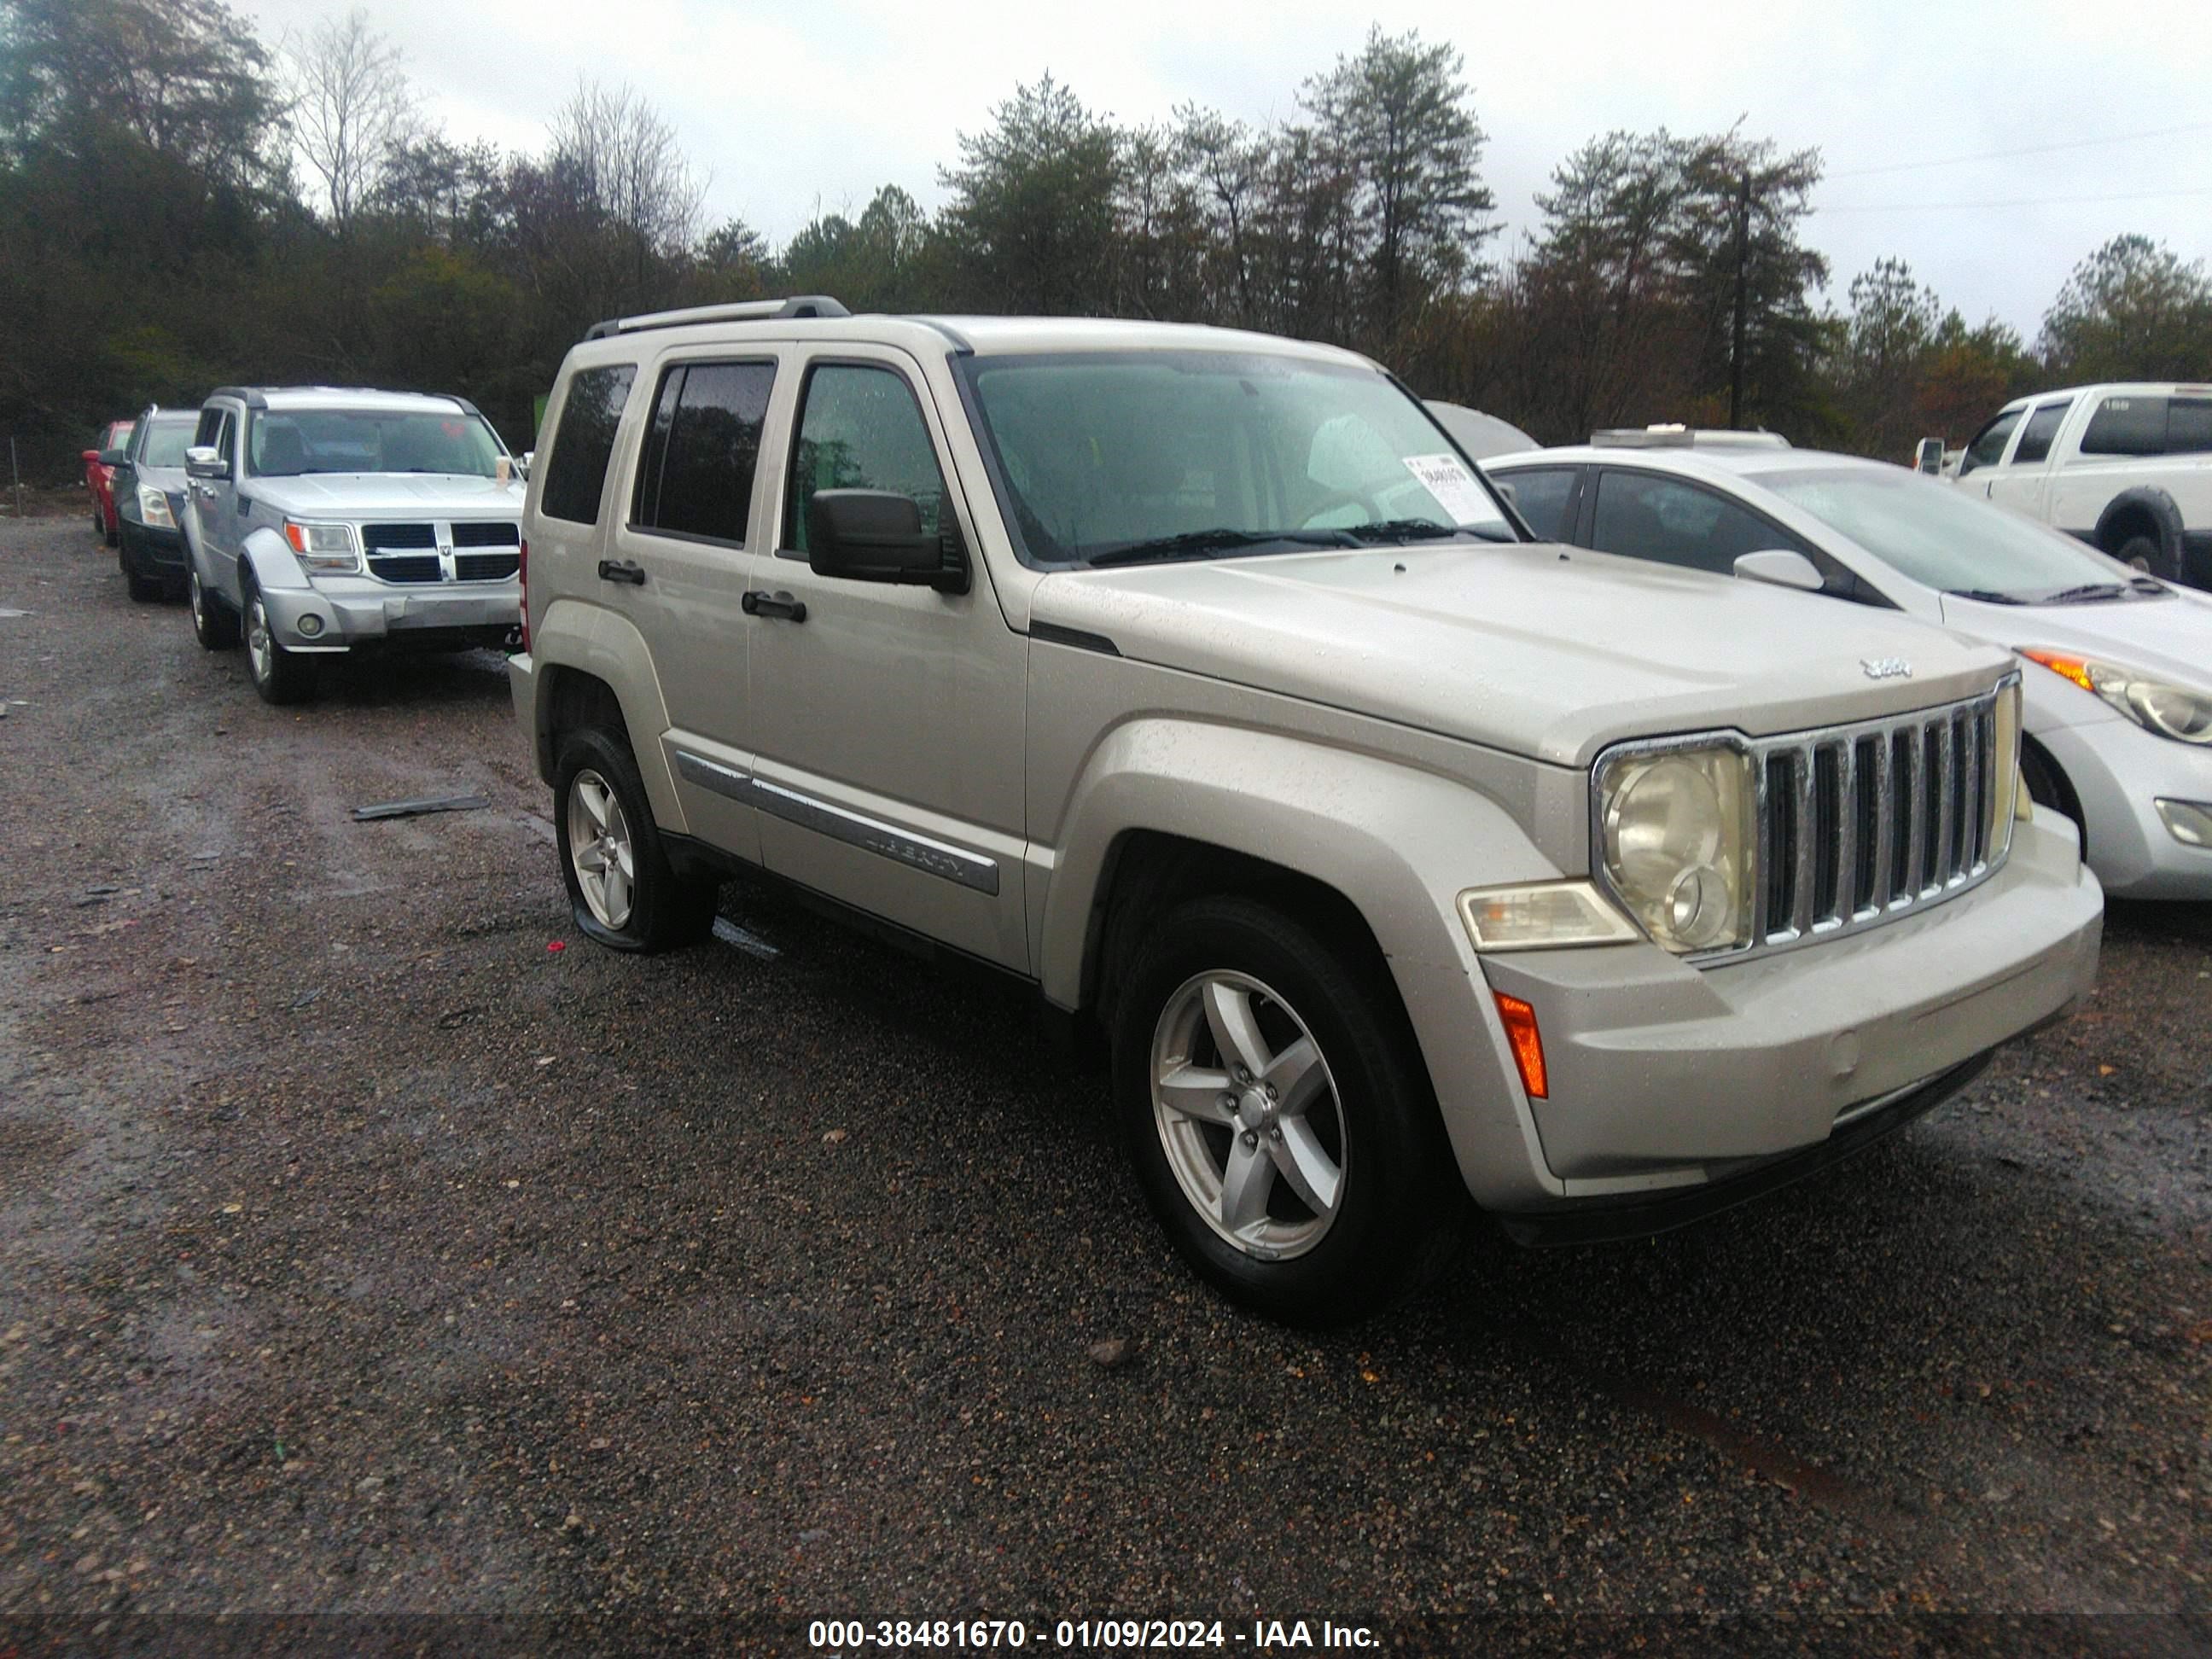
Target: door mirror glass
114,457
871,535
1929,457
1783,566
205,461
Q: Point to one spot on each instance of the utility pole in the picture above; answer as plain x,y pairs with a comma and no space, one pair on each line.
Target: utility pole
1742,260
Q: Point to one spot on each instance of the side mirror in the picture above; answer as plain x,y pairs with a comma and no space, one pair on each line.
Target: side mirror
115,457
876,536
90,456
205,461
1783,568
1512,496
1927,457
529,459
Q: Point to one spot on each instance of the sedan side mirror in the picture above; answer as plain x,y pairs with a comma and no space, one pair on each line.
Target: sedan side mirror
1783,568
876,536
205,461
90,456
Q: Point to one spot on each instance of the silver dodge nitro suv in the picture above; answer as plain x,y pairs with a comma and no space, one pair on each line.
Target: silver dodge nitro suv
1198,679
319,520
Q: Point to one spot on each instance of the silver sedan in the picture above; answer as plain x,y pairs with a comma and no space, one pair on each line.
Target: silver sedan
2118,680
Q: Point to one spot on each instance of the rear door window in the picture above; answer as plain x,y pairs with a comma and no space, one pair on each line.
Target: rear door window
576,471
2042,427
1670,521
2189,426
695,477
1545,497
2127,425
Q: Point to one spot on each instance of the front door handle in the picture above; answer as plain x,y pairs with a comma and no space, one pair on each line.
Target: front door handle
758,603
622,570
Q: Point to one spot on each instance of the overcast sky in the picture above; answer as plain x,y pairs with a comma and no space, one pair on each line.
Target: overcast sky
808,106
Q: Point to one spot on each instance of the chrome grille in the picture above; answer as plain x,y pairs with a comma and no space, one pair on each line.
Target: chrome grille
1859,823
375,536
415,555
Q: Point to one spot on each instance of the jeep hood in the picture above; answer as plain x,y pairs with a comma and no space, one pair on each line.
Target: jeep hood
1534,649
363,494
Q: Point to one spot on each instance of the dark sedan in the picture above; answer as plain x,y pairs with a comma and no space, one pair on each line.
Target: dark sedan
149,494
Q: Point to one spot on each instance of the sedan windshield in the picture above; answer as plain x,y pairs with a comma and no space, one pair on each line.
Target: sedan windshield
290,442
1126,457
1948,540
167,441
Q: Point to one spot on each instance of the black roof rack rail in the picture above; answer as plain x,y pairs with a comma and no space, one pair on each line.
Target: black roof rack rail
744,311
249,395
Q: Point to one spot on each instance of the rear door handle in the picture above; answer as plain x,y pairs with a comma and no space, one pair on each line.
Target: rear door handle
622,570
758,603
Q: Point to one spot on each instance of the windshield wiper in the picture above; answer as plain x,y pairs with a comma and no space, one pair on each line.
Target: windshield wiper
2085,591
1402,530
1197,544
1987,596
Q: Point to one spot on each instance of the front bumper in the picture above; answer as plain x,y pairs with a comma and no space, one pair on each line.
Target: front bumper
2119,772
349,611
1666,1077
156,550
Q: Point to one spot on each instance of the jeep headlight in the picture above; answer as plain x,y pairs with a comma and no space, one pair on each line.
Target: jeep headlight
323,546
1678,843
2172,711
153,508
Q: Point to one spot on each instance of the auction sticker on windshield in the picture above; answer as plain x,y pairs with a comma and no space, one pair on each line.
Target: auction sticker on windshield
1446,477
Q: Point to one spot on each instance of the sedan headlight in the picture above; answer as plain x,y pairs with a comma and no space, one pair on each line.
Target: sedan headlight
1678,843
323,546
2172,711
153,508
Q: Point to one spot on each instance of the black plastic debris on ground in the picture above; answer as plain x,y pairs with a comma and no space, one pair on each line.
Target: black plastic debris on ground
409,809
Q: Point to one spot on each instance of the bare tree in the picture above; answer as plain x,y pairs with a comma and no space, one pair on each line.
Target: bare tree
625,164
352,107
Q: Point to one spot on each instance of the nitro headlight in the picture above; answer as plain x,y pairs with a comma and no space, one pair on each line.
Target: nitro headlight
153,508
1678,840
2172,711
323,546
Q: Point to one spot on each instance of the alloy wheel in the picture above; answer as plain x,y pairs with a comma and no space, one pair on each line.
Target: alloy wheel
602,850
1249,1115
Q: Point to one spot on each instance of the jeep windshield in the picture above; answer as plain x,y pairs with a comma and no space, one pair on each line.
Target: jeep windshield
1950,542
1125,458
290,442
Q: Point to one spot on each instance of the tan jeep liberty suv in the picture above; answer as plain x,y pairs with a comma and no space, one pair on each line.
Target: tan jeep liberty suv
1196,678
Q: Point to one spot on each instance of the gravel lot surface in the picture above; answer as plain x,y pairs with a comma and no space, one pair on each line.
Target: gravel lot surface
371,1243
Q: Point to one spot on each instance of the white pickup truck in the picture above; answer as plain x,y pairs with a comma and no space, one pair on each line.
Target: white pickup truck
2127,468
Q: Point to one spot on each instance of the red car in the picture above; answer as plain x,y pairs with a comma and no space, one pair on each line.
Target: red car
99,478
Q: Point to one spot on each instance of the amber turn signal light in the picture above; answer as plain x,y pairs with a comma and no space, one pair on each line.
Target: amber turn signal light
1527,1044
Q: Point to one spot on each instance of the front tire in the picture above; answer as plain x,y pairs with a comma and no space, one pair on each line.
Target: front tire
144,589
1279,1116
624,890
281,676
213,624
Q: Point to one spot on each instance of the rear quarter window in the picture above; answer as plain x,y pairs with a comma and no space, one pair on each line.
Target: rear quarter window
576,471
2132,425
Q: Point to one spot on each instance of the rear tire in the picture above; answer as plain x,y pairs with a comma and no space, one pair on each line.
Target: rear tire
1279,1116
213,624
281,676
623,890
2145,554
